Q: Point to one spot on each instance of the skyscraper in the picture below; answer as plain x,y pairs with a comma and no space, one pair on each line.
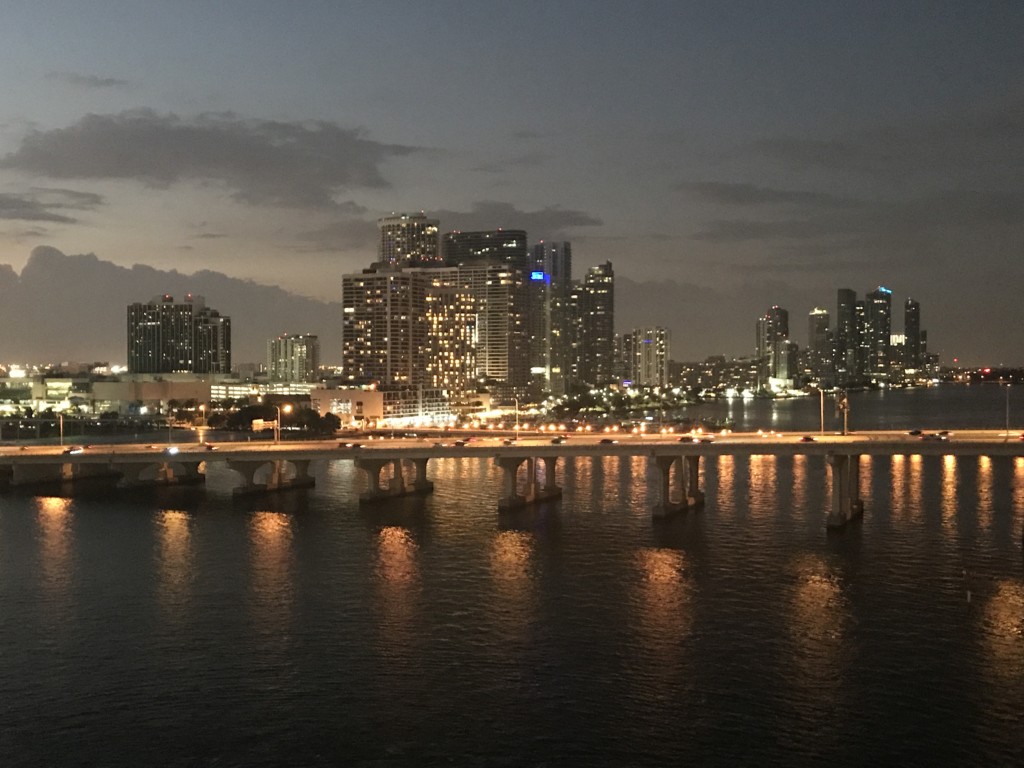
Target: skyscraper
847,339
165,336
774,355
547,315
819,345
408,240
499,246
293,357
912,334
879,328
384,327
647,352
594,302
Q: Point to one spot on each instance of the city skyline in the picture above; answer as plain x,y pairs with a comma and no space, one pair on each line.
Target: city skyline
724,158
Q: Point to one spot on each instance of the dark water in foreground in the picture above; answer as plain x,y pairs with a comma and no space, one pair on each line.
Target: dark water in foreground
185,628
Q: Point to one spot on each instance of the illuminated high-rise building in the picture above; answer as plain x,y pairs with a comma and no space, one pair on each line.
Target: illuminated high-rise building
819,345
451,331
384,327
165,336
293,357
775,354
878,304
408,240
646,352
593,344
847,339
498,246
912,334
548,315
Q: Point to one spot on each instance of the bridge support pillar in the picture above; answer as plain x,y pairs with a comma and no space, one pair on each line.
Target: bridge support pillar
694,495
420,483
165,473
671,477
534,490
277,481
846,502
396,486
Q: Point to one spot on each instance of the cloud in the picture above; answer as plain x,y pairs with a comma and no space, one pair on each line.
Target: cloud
974,143
892,221
43,204
300,165
209,236
727,193
87,81
347,234
546,223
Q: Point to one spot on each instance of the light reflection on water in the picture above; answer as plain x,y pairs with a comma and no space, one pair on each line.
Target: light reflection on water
56,538
568,631
174,562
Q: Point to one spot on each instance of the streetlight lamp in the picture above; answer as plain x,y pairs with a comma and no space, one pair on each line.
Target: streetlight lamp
1008,410
277,424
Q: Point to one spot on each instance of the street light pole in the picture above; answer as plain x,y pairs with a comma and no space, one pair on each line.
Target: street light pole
516,400
821,392
1007,410
60,417
277,424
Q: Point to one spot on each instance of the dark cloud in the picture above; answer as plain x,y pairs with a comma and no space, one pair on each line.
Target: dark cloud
728,193
47,205
348,234
87,81
546,223
974,144
893,221
209,236
263,162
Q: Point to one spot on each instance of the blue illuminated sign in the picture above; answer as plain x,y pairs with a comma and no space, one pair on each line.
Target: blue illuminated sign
538,276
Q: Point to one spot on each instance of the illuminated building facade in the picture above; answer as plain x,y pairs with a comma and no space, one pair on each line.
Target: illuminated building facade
592,304
293,357
408,240
878,304
384,327
819,346
775,353
548,317
165,336
646,353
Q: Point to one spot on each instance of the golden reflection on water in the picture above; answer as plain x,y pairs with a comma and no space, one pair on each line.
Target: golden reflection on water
398,579
819,614
949,487
984,493
726,493
511,561
763,482
898,467
53,515
270,540
174,560
396,557
663,602
915,481
799,480
1018,487
1004,632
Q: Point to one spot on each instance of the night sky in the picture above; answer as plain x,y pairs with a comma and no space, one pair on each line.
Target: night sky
727,156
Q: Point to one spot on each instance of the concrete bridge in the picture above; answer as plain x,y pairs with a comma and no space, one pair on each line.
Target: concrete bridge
529,465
